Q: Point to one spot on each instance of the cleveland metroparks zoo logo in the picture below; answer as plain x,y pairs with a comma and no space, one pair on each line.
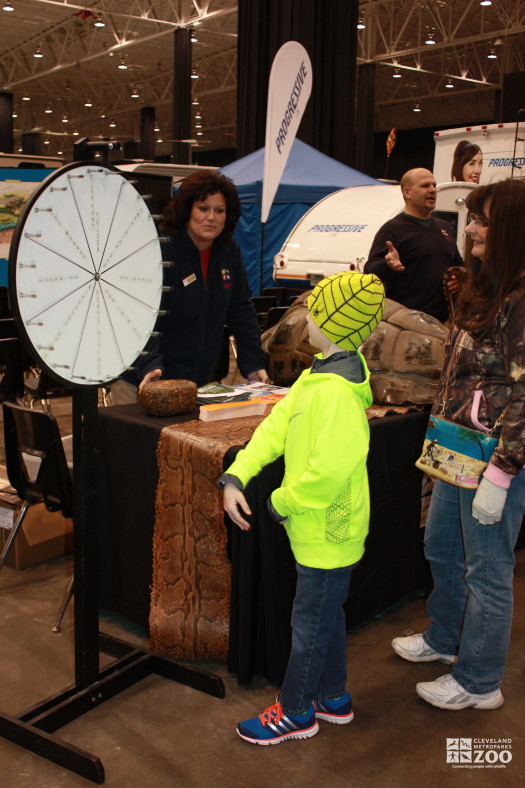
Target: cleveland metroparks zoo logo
479,753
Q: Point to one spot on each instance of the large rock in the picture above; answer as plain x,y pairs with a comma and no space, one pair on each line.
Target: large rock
404,353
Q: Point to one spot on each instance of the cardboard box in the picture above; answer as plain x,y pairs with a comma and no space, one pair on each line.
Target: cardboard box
43,534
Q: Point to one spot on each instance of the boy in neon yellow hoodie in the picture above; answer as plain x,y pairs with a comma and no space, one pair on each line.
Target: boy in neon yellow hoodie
323,501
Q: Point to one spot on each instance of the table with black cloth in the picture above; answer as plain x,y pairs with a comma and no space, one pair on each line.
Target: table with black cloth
262,566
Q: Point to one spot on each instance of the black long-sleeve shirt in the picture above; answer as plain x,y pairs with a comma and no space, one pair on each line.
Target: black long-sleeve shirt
426,252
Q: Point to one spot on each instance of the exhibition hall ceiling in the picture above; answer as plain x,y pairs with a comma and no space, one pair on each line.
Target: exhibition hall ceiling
86,69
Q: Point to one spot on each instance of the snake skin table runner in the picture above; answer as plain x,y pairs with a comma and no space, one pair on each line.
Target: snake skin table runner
190,595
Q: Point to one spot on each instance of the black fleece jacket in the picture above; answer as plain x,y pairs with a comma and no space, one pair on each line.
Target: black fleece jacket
192,332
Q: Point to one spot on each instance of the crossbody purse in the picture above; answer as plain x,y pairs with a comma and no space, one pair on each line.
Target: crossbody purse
452,452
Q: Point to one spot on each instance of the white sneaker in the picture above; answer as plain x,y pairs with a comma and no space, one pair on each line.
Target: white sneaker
446,693
414,649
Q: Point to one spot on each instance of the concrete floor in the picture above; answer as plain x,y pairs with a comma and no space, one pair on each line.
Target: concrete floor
165,735
162,734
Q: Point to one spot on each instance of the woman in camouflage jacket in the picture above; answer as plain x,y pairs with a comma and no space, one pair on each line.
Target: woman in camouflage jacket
471,534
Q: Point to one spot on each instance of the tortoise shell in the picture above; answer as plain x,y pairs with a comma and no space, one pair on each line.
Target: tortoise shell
404,353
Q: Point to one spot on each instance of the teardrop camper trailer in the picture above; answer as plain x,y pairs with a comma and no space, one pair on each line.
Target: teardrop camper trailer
337,232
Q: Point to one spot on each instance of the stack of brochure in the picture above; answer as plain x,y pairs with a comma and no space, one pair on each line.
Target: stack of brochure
218,401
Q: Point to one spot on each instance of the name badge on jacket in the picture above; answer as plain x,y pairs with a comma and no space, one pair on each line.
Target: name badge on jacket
189,279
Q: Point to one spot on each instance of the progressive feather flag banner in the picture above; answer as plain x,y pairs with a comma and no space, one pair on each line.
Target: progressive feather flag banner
289,89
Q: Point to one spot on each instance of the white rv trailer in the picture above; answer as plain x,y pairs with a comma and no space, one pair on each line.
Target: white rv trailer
502,146
337,232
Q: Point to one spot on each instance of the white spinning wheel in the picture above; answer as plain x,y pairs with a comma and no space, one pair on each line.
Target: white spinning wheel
85,274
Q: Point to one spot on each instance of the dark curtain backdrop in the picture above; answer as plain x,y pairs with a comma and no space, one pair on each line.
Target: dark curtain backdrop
513,98
364,125
31,143
6,122
147,125
327,30
181,126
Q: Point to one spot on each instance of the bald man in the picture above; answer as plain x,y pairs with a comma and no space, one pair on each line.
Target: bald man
412,251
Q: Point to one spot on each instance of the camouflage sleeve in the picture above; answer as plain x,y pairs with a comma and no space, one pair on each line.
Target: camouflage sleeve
509,455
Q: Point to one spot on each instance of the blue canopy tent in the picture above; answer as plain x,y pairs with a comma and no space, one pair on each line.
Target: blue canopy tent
307,177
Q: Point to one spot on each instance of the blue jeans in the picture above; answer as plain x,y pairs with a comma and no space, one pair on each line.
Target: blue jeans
316,668
472,565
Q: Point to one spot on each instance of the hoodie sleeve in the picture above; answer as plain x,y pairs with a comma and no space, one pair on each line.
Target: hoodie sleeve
268,440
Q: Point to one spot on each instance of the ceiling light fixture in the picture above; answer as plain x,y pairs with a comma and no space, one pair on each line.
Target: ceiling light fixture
112,124
449,84
26,98
492,54
122,65
75,133
193,37
194,74
48,110
14,114
88,103
485,2
160,139
360,24
60,152
38,52
156,127
195,103
396,74
417,107
8,7
134,93
99,22
65,119
46,141
430,38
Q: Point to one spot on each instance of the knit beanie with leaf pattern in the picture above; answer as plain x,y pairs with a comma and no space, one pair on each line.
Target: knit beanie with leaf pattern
347,307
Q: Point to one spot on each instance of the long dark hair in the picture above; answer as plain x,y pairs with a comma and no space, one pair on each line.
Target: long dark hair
492,278
465,151
196,187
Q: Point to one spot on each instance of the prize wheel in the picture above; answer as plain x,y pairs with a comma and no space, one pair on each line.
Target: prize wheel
85,274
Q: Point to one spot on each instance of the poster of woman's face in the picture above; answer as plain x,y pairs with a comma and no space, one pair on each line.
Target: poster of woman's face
467,162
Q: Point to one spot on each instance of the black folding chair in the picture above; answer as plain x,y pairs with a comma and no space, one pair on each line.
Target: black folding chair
37,469
274,315
262,304
41,388
279,293
11,369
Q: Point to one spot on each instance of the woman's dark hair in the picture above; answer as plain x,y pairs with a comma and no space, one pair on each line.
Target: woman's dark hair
195,188
465,151
492,278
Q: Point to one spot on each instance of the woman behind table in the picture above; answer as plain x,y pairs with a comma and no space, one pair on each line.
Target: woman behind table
470,535
209,288
467,162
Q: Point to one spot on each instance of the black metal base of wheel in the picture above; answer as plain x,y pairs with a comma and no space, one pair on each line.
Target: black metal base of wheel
34,728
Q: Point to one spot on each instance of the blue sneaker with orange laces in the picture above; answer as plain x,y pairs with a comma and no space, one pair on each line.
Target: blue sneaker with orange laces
274,726
338,711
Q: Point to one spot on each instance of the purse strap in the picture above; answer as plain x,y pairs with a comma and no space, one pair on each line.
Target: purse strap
447,372
445,399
